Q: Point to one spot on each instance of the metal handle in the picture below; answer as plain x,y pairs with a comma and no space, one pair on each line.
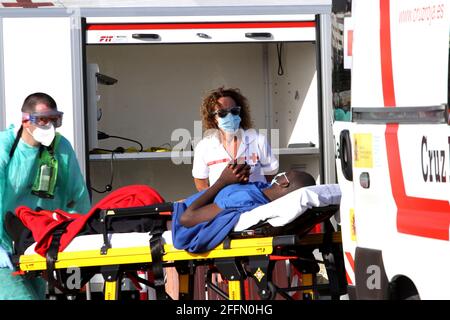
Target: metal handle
203,35
266,35
345,152
146,36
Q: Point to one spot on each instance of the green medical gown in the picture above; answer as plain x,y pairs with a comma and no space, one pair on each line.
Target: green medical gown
16,180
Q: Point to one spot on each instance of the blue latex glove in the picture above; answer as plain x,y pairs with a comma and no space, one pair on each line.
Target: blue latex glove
5,261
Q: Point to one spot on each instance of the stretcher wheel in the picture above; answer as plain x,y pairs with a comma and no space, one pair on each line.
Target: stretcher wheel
269,293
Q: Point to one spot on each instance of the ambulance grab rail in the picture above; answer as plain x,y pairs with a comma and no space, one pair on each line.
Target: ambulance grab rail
402,115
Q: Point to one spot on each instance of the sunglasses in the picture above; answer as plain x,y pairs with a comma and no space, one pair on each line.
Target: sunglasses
222,113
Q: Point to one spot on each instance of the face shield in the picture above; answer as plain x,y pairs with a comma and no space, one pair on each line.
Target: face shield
44,119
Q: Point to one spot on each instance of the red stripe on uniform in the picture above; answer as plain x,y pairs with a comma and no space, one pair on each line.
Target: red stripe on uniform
228,160
222,25
418,216
217,161
253,158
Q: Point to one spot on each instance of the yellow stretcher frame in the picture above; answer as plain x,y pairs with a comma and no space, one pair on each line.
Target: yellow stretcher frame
236,248
132,255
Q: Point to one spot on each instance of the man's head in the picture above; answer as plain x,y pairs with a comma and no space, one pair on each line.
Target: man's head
286,182
34,100
39,117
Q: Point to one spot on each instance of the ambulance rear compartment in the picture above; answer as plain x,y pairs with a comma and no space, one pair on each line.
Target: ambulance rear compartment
157,97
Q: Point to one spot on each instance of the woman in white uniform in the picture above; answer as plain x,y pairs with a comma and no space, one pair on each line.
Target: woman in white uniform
228,138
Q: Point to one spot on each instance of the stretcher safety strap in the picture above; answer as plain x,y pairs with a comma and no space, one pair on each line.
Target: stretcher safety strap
52,257
157,252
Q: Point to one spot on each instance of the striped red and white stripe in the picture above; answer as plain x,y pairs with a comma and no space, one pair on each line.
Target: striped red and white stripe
417,216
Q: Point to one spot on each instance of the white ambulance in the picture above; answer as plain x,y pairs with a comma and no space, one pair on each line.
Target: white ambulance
393,157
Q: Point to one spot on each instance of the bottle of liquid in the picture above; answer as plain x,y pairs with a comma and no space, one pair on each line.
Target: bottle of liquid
44,178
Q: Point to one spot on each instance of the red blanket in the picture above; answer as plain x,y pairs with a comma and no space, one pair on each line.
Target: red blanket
43,223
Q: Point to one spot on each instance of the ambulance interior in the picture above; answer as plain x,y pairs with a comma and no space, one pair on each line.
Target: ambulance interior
156,101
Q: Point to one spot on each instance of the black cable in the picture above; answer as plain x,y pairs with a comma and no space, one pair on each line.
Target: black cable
280,63
137,142
102,135
109,186
116,150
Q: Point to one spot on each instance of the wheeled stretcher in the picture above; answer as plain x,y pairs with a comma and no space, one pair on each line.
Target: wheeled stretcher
249,253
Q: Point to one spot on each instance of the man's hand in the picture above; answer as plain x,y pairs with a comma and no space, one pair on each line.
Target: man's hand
203,209
235,173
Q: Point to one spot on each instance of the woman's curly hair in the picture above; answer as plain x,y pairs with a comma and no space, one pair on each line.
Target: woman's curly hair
210,101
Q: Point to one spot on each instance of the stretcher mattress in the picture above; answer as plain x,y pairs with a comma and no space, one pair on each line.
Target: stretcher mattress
286,209
117,240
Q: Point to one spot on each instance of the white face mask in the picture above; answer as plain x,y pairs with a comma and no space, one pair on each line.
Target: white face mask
44,136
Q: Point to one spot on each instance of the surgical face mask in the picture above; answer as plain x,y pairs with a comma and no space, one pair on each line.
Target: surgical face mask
44,136
230,123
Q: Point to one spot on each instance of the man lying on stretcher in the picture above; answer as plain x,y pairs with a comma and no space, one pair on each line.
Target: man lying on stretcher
202,221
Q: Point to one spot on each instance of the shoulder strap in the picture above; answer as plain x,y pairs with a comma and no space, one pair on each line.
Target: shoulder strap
51,149
55,143
16,141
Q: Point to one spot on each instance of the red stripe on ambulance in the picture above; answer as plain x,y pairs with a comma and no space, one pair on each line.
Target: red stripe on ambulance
209,25
350,43
350,260
417,216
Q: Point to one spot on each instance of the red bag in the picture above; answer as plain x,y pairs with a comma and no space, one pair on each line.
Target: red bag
43,223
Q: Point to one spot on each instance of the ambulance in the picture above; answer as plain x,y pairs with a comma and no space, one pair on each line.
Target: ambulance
393,156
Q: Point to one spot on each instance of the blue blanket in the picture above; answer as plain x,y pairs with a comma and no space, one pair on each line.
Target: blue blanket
233,199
